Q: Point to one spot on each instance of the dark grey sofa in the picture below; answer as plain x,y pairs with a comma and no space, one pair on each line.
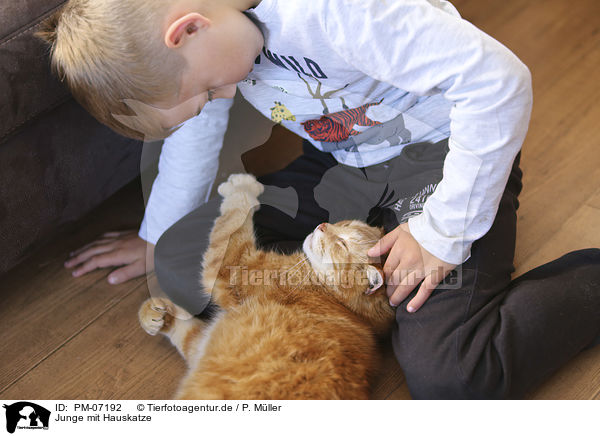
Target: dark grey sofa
56,161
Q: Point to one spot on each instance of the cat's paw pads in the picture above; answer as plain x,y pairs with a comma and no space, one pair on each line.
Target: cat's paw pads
156,314
245,183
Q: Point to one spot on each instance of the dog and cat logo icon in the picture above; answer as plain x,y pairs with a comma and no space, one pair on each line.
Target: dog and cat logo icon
26,415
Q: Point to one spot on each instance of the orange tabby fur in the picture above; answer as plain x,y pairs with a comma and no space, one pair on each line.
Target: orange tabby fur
292,335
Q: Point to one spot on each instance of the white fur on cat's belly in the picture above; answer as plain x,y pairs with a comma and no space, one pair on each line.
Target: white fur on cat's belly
200,346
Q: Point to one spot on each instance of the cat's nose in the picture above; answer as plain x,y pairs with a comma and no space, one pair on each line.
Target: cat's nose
322,227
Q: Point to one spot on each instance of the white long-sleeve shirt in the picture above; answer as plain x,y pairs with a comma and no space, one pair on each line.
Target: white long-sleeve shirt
363,79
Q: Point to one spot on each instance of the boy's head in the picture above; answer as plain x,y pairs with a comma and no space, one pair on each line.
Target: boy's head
142,67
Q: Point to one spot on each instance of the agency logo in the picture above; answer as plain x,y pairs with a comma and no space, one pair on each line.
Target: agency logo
26,415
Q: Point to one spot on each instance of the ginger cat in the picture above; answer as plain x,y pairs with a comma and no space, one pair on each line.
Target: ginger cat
299,326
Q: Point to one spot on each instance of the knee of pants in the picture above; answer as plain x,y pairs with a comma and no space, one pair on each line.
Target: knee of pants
432,370
163,258
179,276
434,383
178,256
165,251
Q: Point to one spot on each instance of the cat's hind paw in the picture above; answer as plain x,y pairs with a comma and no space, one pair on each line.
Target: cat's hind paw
156,315
246,183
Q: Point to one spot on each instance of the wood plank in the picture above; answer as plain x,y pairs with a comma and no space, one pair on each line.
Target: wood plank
540,220
580,378
46,321
537,35
400,393
390,376
46,306
553,191
112,358
562,112
577,380
580,230
562,130
594,200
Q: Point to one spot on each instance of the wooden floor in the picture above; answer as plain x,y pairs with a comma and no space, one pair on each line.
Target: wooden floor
79,338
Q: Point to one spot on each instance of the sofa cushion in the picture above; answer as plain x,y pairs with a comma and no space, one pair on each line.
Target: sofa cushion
26,87
54,171
19,15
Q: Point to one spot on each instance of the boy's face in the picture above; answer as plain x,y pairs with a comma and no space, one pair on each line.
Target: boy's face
220,50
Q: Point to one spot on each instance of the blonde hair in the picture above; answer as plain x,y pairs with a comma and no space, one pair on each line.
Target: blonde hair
115,62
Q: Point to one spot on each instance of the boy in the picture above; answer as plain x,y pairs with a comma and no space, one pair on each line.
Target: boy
413,120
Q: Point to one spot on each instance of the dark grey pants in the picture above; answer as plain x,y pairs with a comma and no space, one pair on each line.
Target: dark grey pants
479,336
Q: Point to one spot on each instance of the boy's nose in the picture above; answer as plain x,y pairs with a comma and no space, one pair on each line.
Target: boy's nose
322,226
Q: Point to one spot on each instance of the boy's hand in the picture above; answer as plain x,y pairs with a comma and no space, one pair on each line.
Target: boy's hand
125,249
406,265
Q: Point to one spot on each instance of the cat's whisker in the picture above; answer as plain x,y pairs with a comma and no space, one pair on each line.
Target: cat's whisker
307,275
297,267
293,266
296,287
292,273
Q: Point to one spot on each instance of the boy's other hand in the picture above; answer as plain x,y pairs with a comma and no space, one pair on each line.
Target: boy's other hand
125,249
407,264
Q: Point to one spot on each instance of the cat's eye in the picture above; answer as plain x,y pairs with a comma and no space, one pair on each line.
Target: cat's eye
341,240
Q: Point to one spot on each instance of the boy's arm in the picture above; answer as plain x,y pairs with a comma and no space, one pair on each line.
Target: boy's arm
422,49
187,168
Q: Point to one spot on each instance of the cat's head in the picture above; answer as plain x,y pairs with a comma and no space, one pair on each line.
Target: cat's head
342,248
338,256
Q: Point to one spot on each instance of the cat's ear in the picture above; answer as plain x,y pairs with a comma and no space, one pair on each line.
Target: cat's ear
375,278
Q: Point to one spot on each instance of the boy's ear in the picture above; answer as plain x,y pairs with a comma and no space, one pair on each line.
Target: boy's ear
375,278
187,25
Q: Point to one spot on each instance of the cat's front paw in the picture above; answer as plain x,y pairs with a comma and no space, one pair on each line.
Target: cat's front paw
241,183
240,192
156,314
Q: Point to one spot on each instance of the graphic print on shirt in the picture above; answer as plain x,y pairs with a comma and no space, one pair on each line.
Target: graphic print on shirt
314,68
398,199
335,131
381,212
279,113
338,126
318,96
413,206
394,131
